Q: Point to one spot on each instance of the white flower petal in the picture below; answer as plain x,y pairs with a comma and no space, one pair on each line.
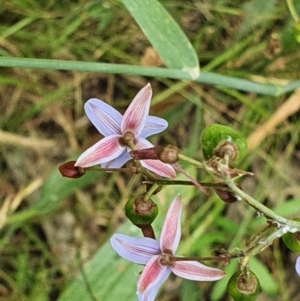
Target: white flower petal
197,271
136,249
171,231
134,118
104,150
104,117
152,277
153,126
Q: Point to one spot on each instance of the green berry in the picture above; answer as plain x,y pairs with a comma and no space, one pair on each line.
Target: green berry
140,211
220,140
292,240
243,286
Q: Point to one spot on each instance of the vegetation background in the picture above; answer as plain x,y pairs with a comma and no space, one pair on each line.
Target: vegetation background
55,229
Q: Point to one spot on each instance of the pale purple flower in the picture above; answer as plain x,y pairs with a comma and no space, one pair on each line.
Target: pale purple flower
113,150
297,266
157,256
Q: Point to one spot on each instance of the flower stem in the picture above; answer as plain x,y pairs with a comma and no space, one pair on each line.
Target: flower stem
217,185
190,160
150,191
97,168
292,226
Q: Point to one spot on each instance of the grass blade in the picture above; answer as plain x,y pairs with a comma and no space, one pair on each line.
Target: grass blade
165,35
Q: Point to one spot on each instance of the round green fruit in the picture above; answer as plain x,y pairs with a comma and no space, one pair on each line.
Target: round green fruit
217,140
292,240
243,286
141,212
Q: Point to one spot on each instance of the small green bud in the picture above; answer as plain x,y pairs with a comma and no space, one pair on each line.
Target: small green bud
140,211
223,142
292,240
243,286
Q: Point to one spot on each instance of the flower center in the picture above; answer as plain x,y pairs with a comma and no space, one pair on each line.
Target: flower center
128,139
166,259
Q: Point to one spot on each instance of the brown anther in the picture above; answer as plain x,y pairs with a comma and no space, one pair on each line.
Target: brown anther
129,137
166,259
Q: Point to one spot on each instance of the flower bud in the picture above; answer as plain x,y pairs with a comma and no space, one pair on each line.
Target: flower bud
223,142
292,240
169,154
146,154
227,196
140,211
243,286
69,170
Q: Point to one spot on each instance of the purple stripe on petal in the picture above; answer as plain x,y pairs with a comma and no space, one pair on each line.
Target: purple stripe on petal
156,166
105,150
197,271
151,292
160,168
153,126
104,117
152,277
171,231
134,118
136,249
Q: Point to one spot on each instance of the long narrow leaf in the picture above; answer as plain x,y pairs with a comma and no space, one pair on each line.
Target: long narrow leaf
164,34
106,277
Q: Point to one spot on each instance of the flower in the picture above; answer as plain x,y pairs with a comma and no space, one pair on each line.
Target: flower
158,256
297,266
121,133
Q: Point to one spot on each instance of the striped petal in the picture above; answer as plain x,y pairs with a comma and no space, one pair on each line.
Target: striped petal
104,117
134,118
171,231
152,277
138,250
197,271
156,166
119,161
105,150
153,126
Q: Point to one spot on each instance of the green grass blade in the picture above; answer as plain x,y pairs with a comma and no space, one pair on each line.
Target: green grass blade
205,77
106,277
164,34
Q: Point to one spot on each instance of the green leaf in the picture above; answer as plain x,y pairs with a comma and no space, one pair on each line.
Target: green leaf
288,208
53,192
56,188
165,35
107,276
267,282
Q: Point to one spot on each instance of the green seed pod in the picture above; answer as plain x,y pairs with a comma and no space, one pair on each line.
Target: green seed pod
243,286
223,142
292,240
141,212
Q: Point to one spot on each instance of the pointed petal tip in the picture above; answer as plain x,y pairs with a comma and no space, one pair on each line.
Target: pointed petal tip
136,249
171,231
